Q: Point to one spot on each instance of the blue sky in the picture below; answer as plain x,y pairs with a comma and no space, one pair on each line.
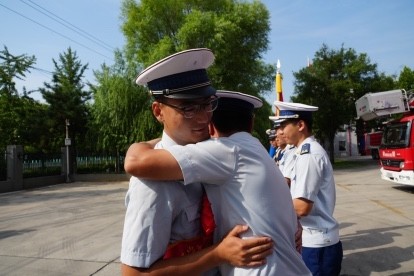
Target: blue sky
381,28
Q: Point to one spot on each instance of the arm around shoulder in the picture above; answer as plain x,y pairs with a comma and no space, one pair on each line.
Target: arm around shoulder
143,161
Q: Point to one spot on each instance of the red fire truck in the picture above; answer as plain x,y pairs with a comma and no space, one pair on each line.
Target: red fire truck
396,151
372,144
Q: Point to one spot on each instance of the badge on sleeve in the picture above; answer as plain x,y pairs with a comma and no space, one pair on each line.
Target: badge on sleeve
305,149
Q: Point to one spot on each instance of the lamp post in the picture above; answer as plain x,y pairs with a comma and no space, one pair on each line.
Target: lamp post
67,144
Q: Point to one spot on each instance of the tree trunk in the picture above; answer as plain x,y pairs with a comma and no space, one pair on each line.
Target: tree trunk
331,147
117,160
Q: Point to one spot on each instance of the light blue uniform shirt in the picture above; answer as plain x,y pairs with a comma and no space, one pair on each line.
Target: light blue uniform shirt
245,187
157,214
287,162
314,180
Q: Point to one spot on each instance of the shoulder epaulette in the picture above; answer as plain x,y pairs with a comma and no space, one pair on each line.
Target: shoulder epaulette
305,149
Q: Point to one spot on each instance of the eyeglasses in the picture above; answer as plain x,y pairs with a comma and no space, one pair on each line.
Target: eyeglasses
189,111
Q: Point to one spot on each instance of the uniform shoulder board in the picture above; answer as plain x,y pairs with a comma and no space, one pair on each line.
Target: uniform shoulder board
305,149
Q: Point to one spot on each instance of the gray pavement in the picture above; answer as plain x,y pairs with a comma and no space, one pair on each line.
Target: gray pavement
376,223
68,229
76,228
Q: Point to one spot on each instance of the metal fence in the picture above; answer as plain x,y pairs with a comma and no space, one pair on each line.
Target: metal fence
51,164
41,164
99,164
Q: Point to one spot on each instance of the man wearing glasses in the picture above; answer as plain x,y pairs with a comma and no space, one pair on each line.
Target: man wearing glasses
243,183
162,220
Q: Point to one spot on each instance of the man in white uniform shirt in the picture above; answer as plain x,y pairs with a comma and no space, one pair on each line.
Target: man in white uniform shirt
313,190
287,161
244,185
162,230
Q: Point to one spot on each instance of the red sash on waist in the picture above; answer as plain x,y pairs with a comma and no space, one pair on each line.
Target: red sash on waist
185,247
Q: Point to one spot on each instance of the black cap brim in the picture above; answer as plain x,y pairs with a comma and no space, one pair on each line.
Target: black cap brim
196,93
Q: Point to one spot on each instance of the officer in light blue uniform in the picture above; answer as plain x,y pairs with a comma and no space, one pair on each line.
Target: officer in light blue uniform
313,190
159,214
271,133
287,160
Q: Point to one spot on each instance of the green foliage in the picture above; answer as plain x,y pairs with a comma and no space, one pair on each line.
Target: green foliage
152,27
122,110
120,113
20,117
236,32
13,67
22,122
67,99
8,120
33,133
334,81
350,164
262,123
406,79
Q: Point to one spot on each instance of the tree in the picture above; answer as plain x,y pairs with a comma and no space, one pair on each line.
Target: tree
67,99
406,79
334,81
236,32
15,112
121,111
31,130
11,67
9,120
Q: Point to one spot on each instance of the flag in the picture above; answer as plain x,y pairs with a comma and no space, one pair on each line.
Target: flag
279,91
309,64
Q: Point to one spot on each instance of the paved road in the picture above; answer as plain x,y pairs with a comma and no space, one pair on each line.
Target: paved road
75,229
376,223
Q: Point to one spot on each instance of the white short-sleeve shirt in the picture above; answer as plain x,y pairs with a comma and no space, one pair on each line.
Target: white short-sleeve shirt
245,187
158,213
314,180
287,162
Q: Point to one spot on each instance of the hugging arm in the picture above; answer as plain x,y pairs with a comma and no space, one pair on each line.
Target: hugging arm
232,249
143,161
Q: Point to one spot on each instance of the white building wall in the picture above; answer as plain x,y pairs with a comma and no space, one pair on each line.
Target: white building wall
345,143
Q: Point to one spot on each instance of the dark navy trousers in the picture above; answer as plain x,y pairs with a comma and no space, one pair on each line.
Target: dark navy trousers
323,261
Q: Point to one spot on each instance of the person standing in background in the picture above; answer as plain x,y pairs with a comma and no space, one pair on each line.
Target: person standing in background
313,191
271,133
281,146
287,161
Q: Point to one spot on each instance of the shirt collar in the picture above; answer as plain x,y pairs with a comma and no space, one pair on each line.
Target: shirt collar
166,142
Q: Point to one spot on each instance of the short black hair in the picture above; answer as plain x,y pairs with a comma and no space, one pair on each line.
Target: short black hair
233,115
